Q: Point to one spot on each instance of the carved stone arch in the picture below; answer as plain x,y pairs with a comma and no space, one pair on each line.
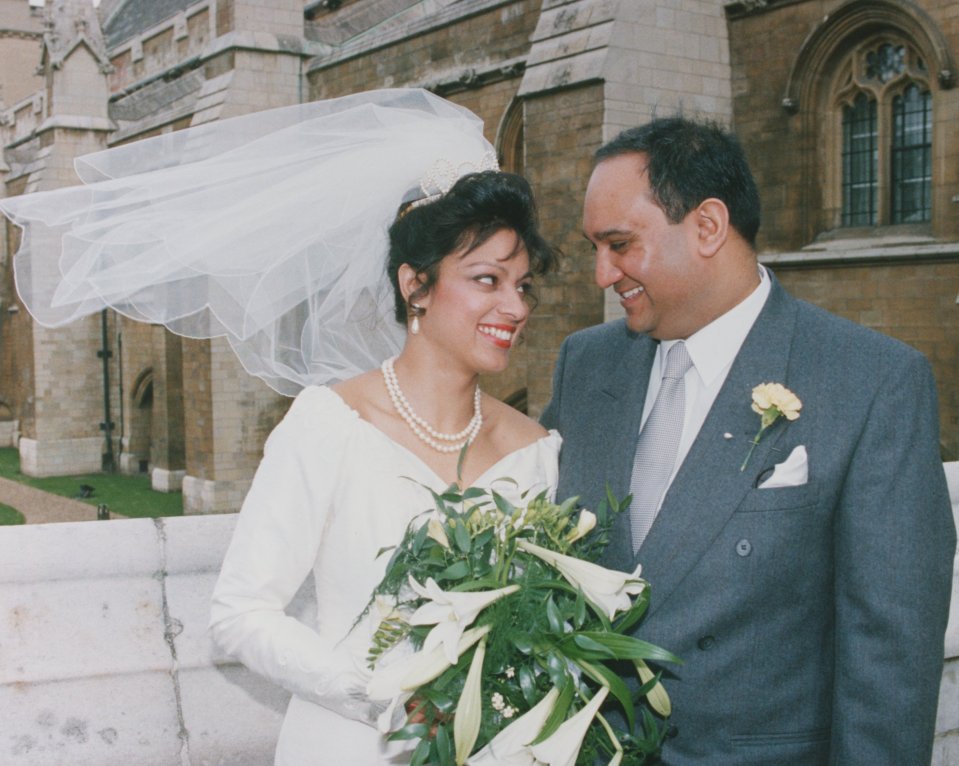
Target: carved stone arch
854,21
821,74
141,393
510,143
138,428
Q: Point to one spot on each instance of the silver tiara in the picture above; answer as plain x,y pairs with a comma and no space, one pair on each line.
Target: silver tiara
440,178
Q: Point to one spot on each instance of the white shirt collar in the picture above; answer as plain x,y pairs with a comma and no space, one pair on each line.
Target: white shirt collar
714,347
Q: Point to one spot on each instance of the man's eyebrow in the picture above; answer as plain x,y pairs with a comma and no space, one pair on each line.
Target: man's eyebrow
607,233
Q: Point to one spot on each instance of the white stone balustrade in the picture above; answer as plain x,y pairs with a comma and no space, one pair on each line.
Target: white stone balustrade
105,658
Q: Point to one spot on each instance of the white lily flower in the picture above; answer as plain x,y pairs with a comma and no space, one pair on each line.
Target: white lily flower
584,525
434,530
562,747
409,673
469,709
452,612
608,589
510,747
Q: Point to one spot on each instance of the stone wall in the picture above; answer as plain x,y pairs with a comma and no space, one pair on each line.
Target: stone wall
558,163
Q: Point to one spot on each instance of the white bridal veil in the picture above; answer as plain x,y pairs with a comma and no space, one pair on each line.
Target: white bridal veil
269,229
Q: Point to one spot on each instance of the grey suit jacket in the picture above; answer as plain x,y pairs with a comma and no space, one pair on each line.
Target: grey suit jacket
810,618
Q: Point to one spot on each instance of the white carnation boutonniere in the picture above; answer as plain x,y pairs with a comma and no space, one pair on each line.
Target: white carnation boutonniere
771,401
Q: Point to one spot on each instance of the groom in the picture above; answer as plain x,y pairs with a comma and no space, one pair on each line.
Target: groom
806,588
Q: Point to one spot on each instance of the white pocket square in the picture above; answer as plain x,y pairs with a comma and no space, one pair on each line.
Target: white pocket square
792,472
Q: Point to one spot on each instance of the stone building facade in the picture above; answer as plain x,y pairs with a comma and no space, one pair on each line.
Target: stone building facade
552,80
896,270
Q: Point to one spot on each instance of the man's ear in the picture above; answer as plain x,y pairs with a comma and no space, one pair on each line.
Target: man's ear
712,226
409,282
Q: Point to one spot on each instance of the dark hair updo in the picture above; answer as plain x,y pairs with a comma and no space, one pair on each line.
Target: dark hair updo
478,206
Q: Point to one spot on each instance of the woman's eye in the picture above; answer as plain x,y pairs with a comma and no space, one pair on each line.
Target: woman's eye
526,288
618,247
486,279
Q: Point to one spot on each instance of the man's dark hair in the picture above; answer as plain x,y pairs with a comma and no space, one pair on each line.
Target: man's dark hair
690,161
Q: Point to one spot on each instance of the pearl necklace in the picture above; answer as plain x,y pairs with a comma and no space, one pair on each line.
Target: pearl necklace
423,430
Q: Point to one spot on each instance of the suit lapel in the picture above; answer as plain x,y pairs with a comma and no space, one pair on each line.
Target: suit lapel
710,486
625,392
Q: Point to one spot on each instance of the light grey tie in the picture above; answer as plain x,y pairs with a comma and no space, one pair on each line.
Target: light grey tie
657,445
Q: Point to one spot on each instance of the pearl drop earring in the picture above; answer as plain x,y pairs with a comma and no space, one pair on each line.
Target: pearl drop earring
418,311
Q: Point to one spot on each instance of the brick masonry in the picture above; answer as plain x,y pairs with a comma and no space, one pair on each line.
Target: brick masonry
574,72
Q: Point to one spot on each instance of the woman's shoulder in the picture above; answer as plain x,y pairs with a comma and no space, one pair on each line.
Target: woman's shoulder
507,416
362,393
511,428
318,409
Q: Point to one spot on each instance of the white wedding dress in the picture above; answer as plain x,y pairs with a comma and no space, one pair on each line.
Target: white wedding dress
331,492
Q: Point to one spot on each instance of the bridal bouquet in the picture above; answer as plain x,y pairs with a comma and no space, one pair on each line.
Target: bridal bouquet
499,639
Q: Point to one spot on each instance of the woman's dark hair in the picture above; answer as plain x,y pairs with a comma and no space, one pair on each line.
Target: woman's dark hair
690,161
478,206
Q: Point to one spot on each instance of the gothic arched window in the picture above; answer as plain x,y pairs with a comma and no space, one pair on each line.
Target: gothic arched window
886,108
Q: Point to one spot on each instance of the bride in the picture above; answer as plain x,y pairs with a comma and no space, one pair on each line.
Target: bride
279,231
347,470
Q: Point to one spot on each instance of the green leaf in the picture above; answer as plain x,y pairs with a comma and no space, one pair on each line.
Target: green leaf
441,701
480,583
553,615
617,687
631,616
419,538
421,754
410,731
444,745
579,610
593,646
504,505
462,537
454,571
471,493
556,669
629,648
523,642
527,685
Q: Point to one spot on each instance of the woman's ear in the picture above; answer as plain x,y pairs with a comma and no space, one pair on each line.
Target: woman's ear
712,221
409,282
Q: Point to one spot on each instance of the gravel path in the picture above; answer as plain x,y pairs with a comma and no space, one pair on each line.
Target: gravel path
39,507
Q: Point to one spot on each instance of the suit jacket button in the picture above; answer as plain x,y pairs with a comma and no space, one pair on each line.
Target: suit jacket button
706,643
672,731
744,547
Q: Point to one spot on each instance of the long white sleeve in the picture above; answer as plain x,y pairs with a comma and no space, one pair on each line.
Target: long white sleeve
274,548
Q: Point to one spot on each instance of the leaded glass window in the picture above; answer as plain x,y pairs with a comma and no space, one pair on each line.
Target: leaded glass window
885,106
859,161
912,156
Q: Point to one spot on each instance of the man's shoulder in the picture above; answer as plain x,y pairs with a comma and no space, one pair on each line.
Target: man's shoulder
847,338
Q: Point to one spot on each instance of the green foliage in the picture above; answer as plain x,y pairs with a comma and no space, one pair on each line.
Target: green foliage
129,495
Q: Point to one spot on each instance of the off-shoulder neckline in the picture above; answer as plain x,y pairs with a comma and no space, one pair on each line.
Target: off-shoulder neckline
548,439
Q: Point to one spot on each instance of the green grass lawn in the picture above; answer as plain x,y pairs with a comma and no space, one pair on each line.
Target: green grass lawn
129,495
9,516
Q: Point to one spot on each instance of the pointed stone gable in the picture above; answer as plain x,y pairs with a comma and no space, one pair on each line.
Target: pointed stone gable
69,24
